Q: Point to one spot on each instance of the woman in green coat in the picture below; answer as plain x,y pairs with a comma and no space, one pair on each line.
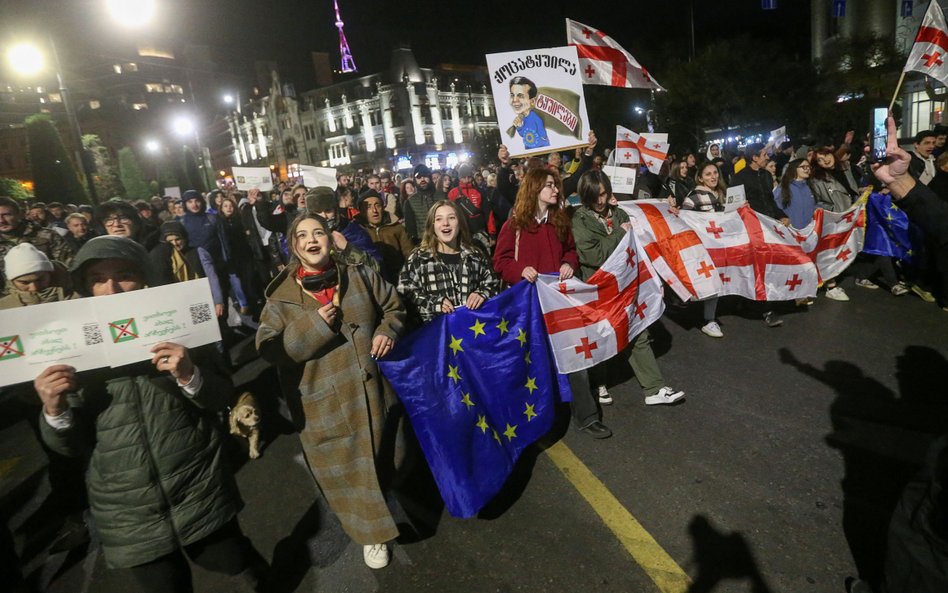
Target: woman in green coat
326,322
598,227
157,482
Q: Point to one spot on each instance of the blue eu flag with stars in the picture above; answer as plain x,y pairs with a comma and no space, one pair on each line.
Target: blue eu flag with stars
479,387
887,229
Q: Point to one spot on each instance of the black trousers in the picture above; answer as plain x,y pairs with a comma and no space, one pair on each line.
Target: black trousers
584,407
226,551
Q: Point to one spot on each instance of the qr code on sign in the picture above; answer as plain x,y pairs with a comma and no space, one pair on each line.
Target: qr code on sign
92,334
201,313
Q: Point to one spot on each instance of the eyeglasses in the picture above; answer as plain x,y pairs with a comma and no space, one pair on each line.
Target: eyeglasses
113,220
549,184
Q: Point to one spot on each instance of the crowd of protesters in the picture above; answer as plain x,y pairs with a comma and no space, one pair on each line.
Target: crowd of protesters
330,278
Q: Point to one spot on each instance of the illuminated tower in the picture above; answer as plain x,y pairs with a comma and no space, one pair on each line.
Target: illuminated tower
348,64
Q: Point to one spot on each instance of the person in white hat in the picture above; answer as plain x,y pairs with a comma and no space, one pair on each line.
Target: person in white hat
32,279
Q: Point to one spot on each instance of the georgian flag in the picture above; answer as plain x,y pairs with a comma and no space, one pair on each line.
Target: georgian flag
833,239
603,61
931,45
673,247
633,148
592,321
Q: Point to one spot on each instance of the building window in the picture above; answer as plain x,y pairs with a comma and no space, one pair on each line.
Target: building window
154,87
139,106
117,68
429,137
925,112
131,67
94,104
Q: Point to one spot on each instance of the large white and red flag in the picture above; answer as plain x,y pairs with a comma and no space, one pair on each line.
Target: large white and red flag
701,254
592,321
833,239
633,148
754,256
931,45
674,248
603,61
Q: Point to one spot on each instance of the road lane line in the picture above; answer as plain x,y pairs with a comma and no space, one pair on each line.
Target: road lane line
647,553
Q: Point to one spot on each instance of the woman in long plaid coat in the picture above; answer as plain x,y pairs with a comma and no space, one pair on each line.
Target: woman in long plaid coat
325,324
446,270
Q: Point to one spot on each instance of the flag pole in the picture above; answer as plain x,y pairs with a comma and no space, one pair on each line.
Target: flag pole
898,87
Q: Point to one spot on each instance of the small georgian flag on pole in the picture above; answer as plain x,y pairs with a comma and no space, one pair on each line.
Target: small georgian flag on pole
928,54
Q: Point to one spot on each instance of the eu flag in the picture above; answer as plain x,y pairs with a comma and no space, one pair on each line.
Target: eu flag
887,229
479,387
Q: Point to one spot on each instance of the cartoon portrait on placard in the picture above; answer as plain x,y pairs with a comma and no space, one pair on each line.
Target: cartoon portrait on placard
539,99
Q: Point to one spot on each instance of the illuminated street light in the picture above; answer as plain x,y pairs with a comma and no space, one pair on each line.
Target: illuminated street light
229,99
131,13
183,126
26,58
152,146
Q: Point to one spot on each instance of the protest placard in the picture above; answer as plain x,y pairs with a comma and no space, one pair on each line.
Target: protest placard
318,176
253,178
103,331
539,100
173,192
735,198
133,322
622,178
58,333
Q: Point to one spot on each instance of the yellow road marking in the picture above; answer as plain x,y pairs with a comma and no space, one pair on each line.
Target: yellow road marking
658,565
7,465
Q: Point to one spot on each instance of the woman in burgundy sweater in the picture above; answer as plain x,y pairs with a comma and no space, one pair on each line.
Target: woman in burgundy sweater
537,239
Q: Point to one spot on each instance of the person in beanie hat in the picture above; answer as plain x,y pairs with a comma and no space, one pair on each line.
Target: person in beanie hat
345,235
121,219
203,228
157,481
175,260
388,236
32,279
417,206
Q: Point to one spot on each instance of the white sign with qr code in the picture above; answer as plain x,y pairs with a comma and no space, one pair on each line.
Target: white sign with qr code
60,333
133,322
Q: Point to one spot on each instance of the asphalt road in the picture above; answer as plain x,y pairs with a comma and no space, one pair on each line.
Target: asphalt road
778,473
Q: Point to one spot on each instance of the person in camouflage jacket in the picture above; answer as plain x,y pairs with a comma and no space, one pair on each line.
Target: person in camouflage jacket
14,229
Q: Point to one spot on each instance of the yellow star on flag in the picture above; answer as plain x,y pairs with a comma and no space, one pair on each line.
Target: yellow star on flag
522,337
526,358
496,436
511,432
455,345
466,400
890,217
502,326
531,384
453,373
478,329
529,413
482,424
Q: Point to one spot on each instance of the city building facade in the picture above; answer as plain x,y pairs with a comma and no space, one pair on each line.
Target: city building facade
388,120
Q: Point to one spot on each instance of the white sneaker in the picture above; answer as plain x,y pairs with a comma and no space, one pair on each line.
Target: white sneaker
837,294
604,397
665,395
375,555
712,329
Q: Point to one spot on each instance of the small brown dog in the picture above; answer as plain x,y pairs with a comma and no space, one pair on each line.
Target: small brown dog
245,422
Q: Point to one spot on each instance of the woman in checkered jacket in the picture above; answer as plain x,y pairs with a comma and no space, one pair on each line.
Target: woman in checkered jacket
446,271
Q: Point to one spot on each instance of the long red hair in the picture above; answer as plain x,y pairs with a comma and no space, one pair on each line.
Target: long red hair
525,208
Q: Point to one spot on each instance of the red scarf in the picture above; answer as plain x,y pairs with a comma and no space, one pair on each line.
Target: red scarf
325,295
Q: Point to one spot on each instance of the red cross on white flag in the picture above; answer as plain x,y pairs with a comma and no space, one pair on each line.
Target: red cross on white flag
633,148
603,61
929,54
592,321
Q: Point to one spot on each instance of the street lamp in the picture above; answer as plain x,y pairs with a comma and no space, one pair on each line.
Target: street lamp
183,126
28,59
152,146
131,13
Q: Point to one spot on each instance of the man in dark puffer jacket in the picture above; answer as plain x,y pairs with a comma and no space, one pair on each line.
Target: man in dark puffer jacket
158,485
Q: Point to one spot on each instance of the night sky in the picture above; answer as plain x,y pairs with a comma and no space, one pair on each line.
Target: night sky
240,31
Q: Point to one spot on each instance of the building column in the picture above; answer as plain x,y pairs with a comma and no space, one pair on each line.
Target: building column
435,107
329,118
415,107
385,102
367,130
456,120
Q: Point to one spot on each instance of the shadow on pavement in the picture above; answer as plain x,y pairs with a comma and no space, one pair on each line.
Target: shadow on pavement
883,438
720,556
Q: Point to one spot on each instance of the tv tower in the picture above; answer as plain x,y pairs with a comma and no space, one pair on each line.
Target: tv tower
348,64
